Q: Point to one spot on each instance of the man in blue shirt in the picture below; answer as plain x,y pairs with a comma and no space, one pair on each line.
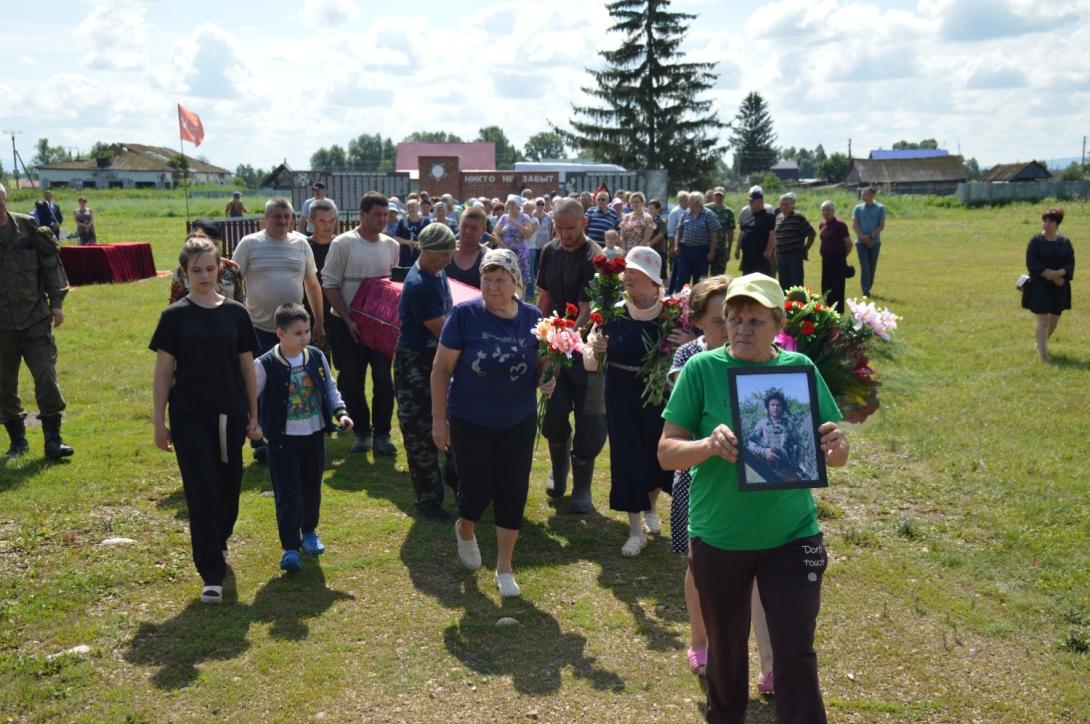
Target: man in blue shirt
601,219
694,242
423,308
868,221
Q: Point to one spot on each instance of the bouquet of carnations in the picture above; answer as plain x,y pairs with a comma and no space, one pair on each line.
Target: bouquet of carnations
840,345
557,340
604,291
659,356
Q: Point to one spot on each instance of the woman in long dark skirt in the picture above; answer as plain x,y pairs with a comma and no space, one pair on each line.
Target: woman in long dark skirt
1050,263
636,478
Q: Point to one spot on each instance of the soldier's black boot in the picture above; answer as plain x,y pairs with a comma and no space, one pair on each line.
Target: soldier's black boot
557,482
55,449
17,433
582,471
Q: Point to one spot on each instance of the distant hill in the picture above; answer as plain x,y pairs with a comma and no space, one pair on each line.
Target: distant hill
1059,164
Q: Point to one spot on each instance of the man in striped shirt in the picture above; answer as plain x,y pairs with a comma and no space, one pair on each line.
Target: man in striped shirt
601,219
794,237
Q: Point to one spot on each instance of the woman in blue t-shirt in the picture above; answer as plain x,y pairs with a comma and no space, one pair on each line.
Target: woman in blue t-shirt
483,404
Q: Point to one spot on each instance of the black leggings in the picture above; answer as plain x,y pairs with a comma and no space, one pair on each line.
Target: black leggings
789,581
211,485
493,467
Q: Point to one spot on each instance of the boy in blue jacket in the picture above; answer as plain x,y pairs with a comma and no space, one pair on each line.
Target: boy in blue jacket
299,399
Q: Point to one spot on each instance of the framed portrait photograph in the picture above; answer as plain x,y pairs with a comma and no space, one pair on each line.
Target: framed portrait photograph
776,421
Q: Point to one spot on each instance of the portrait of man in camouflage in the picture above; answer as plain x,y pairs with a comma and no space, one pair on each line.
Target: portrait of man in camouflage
773,444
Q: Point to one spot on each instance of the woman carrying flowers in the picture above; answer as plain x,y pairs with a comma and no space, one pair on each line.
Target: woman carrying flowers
771,537
636,479
483,401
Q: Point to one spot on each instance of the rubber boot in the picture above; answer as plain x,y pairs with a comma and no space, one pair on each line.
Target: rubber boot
557,482
17,433
55,449
582,471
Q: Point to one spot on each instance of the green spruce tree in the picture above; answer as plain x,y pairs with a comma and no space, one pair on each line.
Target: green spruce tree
650,114
752,136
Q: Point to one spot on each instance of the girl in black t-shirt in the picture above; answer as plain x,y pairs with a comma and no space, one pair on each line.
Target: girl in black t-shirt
204,368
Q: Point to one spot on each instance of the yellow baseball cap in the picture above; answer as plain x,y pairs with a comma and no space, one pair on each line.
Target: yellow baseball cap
761,288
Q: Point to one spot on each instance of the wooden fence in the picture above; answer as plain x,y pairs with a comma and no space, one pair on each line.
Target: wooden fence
232,230
653,184
983,192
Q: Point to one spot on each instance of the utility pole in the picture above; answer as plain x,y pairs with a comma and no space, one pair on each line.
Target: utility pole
849,149
1084,150
14,157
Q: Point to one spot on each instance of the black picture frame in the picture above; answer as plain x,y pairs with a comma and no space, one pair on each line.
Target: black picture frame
798,462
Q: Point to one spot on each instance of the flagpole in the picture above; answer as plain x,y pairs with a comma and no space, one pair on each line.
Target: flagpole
185,177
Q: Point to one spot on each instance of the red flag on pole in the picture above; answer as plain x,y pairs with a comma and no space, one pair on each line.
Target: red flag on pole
189,126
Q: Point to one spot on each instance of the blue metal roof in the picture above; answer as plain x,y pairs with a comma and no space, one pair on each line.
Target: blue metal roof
883,155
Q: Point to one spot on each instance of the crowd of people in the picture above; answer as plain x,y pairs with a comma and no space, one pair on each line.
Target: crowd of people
241,353
467,379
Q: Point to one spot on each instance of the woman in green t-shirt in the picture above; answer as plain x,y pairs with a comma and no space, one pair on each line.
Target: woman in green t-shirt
769,536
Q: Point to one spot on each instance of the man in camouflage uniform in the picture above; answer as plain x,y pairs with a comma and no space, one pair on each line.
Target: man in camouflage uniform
774,442
32,290
424,306
726,220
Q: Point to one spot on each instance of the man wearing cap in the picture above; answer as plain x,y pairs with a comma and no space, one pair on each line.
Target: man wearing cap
757,234
32,290
362,253
235,208
565,266
694,242
318,187
726,221
393,215
794,237
601,218
423,308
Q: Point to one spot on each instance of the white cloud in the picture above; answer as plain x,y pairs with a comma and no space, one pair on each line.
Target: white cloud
116,32
328,13
995,78
209,65
975,20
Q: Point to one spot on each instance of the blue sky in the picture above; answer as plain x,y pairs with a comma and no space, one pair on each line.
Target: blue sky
1004,80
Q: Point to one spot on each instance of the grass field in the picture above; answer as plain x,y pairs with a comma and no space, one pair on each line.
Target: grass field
958,591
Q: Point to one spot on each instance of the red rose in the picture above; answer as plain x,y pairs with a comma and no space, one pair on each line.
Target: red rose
599,261
596,318
570,310
807,327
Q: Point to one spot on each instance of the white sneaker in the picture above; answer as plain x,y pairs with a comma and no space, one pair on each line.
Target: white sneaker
507,585
633,545
211,594
654,525
468,552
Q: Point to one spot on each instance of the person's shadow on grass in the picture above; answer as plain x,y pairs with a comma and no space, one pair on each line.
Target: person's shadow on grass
533,652
200,632
287,600
203,632
1066,361
14,473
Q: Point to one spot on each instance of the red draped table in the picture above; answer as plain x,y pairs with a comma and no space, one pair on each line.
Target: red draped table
107,263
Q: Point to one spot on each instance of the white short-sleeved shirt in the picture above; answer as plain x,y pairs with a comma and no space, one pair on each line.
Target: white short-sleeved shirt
352,259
